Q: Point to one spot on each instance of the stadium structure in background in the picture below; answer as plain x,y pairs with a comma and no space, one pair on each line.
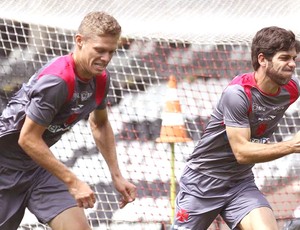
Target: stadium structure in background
204,44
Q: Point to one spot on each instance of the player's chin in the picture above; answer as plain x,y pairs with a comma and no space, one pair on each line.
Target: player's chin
96,73
284,81
286,77
98,69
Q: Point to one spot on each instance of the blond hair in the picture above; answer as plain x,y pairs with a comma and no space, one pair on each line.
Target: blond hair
100,24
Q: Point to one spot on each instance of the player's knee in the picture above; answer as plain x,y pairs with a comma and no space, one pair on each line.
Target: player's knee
72,225
70,219
80,227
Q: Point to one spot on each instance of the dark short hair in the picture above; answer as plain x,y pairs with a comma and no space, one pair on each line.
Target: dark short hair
269,41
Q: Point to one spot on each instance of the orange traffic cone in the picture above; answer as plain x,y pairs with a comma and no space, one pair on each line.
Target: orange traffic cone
173,127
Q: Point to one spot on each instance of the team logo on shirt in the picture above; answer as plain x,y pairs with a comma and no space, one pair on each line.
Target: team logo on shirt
85,95
182,215
79,99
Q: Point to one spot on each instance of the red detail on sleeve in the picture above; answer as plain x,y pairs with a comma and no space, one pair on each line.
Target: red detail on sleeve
247,81
291,87
63,68
100,86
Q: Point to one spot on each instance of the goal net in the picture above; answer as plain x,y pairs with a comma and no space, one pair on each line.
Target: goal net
204,44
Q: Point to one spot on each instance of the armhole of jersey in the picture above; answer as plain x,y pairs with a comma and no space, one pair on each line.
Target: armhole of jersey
293,91
100,87
71,85
70,77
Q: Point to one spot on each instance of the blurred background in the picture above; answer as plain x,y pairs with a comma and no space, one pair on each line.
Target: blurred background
203,44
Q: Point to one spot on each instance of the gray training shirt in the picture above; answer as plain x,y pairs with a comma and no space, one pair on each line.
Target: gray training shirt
242,104
54,97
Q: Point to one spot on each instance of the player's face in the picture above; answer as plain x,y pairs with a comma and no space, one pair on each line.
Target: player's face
96,53
282,67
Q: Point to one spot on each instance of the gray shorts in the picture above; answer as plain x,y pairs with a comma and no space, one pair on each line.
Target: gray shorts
202,198
38,190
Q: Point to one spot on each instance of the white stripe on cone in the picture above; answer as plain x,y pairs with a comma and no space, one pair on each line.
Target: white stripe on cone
170,119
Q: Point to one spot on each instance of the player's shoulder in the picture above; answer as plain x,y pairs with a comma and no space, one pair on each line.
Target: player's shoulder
240,83
293,88
61,66
295,79
245,79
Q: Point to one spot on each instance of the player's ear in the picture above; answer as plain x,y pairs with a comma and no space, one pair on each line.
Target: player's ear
78,40
262,60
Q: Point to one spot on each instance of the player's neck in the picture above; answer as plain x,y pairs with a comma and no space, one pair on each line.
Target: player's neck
80,71
265,83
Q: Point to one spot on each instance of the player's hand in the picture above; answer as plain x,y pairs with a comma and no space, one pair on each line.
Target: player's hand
83,194
126,189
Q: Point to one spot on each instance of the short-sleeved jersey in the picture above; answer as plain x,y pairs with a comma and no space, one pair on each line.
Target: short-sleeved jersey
54,97
242,104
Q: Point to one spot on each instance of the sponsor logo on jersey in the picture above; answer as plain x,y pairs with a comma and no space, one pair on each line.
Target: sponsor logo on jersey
59,128
256,108
263,140
268,118
175,226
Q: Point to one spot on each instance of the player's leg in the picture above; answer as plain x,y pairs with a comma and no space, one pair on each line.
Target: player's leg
199,200
12,221
70,219
259,218
11,212
190,215
13,190
52,203
248,209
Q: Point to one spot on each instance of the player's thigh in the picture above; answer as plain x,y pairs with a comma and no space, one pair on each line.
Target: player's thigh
49,197
259,218
244,204
193,213
14,187
195,221
70,219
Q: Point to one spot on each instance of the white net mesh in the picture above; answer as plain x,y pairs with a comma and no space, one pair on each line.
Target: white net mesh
192,20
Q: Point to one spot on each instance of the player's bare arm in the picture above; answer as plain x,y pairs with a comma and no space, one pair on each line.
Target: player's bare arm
33,144
105,141
104,138
247,152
